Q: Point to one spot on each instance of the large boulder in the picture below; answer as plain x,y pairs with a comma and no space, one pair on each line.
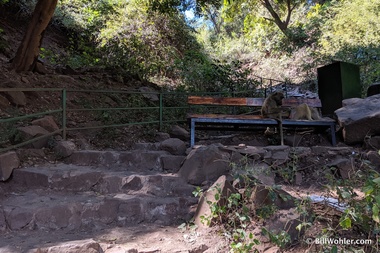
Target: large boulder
17,98
217,194
287,221
206,163
174,146
30,132
64,149
360,118
263,196
47,123
180,133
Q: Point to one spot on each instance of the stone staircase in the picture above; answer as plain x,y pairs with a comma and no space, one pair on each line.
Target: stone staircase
96,190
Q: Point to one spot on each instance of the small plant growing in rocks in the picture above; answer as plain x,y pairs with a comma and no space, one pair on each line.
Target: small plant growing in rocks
234,218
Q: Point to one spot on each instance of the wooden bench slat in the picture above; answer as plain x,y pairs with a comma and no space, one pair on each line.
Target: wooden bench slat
256,102
225,116
194,100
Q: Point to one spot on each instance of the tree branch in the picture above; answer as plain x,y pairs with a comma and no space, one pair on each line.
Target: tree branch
277,20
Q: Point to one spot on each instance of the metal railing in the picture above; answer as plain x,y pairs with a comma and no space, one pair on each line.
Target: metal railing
158,108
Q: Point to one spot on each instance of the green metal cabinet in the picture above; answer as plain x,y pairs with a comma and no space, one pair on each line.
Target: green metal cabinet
337,81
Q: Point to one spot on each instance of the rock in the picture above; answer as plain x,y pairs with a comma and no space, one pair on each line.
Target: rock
350,101
146,160
3,224
4,102
206,163
345,167
18,217
24,79
372,142
40,68
17,98
374,158
30,132
299,178
137,160
180,133
300,152
373,89
360,119
47,123
82,246
83,144
221,187
261,172
8,162
287,221
160,136
174,146
276,155
199,249
146,146
334,151
149,93
264,196
93,157
64,149
172,163
255,153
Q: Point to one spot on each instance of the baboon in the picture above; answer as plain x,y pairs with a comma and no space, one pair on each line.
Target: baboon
271,108
305,112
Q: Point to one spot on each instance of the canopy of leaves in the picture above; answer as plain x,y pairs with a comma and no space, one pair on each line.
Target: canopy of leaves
318,33
153,38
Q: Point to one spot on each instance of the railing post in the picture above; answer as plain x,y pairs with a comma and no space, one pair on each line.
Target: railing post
64,97
161,112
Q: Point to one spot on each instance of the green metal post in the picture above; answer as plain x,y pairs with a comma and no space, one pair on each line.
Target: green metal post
64,97
161,112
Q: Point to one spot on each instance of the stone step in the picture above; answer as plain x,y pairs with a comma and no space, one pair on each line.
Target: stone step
46,209
74,178
136,160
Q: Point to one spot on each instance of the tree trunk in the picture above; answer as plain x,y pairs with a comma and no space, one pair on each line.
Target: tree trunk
29,49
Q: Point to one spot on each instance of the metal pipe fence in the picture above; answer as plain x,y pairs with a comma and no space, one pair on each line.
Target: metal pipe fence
113,108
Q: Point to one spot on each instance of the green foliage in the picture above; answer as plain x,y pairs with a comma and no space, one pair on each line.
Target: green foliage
144,44
361,213
317,34
234,217
151,39
352,35
128,35
197,192
281,239
288,173
200,73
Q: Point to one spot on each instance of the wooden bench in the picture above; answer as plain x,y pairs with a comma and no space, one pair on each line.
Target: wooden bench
198,120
